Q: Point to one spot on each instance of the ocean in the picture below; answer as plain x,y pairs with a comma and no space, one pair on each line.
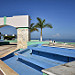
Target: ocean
57,40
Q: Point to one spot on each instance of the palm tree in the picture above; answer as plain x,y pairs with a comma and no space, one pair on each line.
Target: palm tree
41,24
33,28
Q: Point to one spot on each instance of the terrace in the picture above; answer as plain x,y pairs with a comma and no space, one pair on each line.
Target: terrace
36,58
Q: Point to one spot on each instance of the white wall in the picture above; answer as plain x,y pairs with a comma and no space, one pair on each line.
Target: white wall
16,21
1,21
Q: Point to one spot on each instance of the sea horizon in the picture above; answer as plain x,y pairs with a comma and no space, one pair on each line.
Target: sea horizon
57,40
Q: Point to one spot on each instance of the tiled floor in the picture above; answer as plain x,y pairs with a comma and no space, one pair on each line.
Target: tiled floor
6,48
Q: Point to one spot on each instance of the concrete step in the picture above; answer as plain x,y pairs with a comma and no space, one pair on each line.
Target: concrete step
55,53
39,62
58,51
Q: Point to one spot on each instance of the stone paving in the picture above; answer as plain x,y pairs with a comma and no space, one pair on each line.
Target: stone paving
65,69
6,69
6,49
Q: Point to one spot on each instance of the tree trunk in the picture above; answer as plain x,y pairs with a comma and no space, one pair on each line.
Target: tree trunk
41,35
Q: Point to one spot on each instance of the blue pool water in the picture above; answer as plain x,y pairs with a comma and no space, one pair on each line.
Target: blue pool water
20,68
32,60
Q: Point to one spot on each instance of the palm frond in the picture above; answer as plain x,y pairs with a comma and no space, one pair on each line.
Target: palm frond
31,24
44,21
37,25
39,19
48,25
34,29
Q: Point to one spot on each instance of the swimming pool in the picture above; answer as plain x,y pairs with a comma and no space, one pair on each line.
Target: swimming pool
32,60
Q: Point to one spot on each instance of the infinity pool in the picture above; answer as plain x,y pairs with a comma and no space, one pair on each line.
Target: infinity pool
32,60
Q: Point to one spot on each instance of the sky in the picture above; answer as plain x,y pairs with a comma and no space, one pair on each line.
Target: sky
59,13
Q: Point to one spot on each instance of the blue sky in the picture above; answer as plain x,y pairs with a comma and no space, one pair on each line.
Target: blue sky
60,13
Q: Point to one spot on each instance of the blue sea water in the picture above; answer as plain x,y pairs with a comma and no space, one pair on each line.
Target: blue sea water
58,40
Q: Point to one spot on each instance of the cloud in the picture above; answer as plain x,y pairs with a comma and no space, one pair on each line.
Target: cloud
56,35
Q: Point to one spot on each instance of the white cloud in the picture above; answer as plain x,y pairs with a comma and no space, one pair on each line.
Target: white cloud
56,35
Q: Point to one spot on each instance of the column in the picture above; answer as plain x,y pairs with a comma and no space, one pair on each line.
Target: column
23,36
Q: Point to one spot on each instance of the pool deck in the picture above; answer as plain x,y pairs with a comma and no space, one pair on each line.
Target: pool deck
7,49
66,69
6,69
60,45
4,51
